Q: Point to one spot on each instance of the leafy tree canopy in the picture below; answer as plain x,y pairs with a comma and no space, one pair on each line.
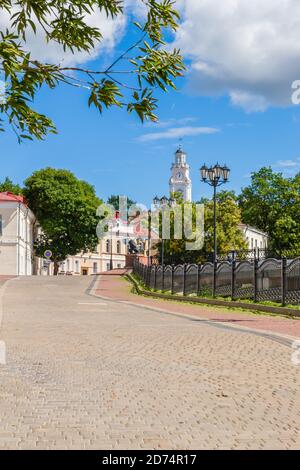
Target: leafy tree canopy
66,210
8,185
114,201
177,196
129,82
229,235
272,203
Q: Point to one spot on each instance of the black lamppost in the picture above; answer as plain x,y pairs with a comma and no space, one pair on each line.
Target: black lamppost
111,264
162,203
149,237
215,177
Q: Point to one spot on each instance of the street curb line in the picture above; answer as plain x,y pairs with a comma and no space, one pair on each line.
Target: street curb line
2,292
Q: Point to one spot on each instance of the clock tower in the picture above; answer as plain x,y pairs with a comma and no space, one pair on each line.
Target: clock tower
180,180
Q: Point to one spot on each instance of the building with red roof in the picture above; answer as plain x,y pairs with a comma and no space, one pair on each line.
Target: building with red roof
17,225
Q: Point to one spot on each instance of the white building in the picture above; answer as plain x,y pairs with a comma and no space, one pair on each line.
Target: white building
180,180
110,253
254,237
16,235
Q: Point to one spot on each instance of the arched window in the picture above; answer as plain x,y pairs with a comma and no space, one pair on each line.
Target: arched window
118,247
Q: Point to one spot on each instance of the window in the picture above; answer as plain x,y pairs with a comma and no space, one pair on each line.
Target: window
107,266
1,225
118,247
95,268
107,246
119,266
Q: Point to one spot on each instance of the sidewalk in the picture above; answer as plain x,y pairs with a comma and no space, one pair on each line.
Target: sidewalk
118,288
4,278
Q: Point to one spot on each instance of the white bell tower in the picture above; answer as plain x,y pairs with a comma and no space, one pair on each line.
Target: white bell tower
180,180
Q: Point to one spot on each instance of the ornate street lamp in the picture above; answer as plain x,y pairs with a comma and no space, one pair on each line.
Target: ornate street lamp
226,173
111,227
163,203
204,173
156,201
149,237
215,176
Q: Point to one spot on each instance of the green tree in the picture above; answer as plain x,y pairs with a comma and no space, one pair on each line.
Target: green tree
66,210
229,235
177,196
129,82
272,203
8,185
114,201
222,195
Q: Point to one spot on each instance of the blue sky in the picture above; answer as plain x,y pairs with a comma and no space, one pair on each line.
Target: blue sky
113,151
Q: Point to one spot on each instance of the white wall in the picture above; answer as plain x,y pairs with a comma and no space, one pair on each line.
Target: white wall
16,241
255,238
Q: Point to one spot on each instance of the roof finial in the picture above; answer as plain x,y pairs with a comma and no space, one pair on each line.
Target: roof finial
180,150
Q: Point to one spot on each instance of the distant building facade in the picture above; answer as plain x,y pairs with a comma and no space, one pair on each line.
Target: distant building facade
17,225
254,237
110,253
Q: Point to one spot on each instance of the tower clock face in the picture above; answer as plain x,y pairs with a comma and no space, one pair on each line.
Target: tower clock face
179,175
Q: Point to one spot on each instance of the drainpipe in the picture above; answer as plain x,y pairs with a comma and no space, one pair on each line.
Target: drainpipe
18,242
35,268
26,240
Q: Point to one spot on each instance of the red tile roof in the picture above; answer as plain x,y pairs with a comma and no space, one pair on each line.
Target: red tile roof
10,197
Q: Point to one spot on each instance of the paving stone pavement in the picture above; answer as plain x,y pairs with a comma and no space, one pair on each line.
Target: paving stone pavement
118,288
87,373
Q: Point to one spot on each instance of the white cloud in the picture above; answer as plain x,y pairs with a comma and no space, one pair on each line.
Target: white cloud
137,8
177,132
249,101
172,122
288,163
112,31
249,50
288,167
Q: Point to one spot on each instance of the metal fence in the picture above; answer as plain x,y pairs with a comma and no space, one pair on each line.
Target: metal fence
271,279
238,255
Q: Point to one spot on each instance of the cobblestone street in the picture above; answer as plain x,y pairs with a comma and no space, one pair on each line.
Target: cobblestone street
85,372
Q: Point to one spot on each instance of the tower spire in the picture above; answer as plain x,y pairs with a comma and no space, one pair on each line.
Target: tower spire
180,180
